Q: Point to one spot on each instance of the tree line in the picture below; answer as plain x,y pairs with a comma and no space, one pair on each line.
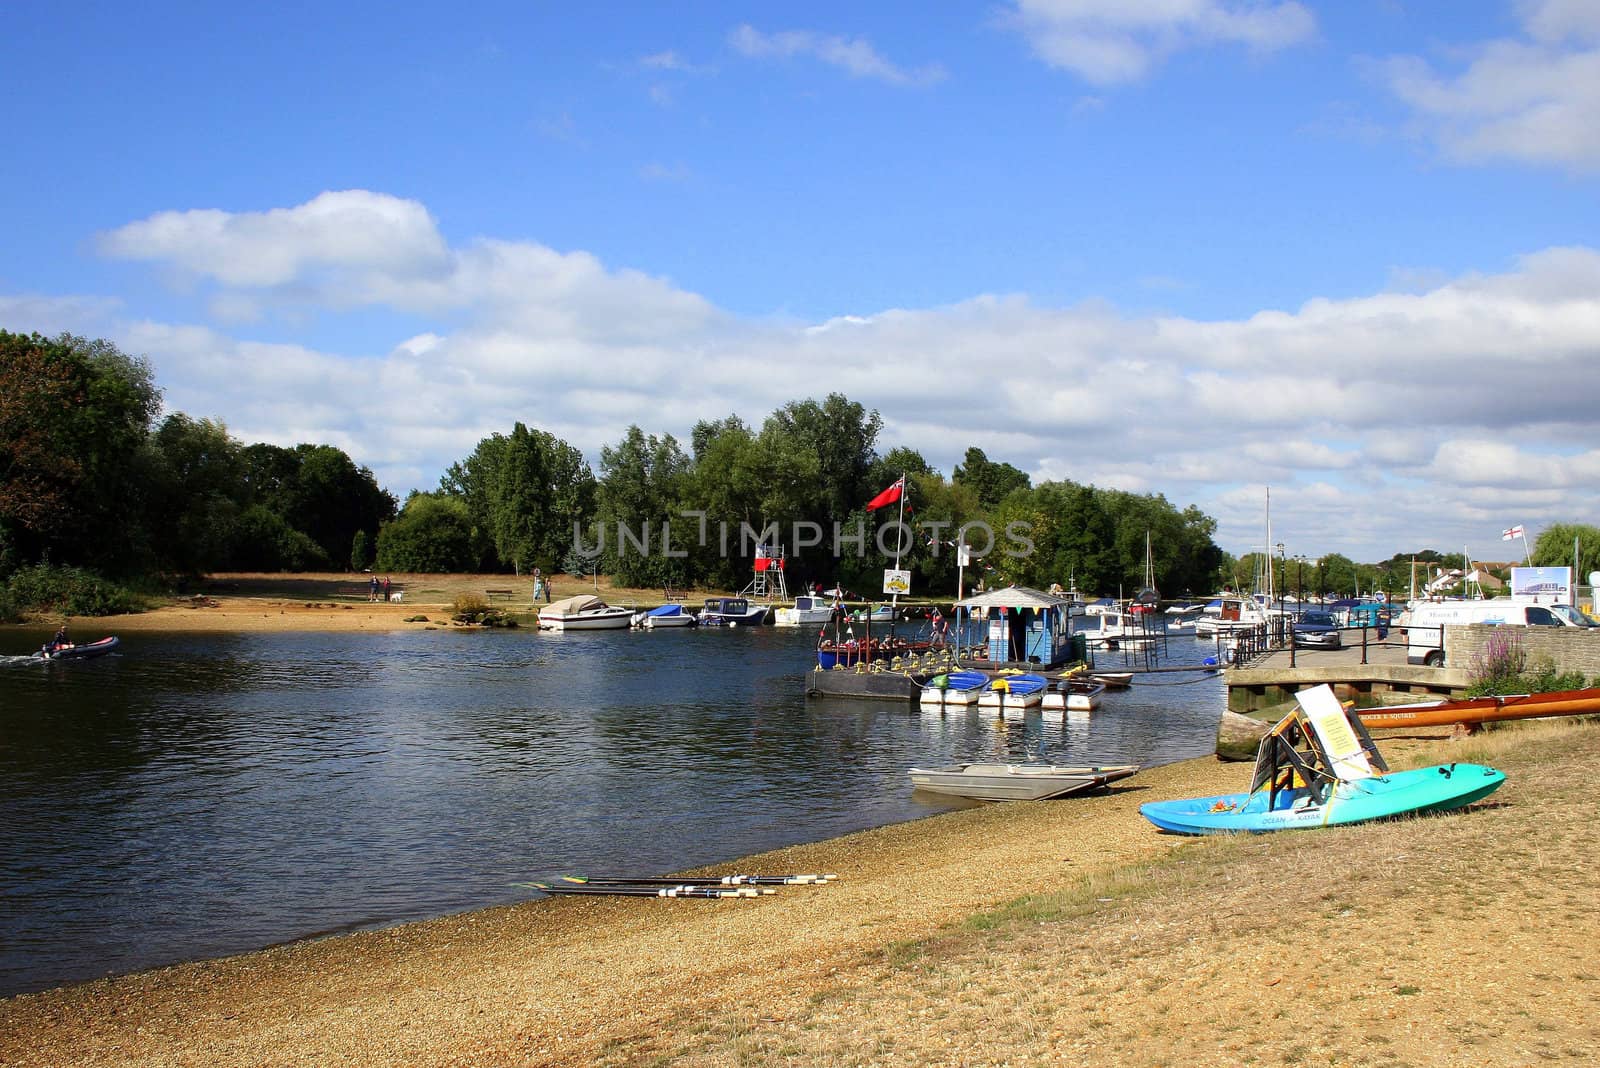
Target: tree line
92,476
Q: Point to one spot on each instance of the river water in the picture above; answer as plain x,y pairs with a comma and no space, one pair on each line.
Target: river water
199,795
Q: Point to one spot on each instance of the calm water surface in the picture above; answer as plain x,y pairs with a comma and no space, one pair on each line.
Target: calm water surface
200,795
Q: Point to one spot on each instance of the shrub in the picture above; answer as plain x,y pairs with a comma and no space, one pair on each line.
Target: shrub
1502,668
69,590
1499,667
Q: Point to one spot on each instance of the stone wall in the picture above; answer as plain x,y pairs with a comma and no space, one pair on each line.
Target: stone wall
1569,648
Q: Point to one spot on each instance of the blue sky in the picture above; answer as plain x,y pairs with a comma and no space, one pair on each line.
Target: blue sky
1193,247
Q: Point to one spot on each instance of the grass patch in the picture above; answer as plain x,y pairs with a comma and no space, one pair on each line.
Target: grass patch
1224,945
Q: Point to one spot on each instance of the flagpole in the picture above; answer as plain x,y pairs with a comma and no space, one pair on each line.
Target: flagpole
1526,555
899,530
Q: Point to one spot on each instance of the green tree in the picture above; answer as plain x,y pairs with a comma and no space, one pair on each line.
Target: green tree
842,436
539,488
332,498
993,482
264,541
432,534
1553,548
75,415
642,479
198,490
360,551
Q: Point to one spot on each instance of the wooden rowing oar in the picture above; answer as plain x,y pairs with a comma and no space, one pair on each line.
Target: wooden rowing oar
635,890
712,880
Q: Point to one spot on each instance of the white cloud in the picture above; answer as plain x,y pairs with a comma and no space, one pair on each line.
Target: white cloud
352,231
1532,100
855,56
1423,412
1112,42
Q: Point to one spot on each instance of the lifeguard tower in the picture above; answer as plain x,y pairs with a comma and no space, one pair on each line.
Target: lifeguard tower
768,581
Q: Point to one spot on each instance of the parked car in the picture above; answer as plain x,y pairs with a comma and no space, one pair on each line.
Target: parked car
1316,629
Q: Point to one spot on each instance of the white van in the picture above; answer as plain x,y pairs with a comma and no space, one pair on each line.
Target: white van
1424,624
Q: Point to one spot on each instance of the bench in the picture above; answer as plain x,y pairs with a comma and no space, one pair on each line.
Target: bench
492,594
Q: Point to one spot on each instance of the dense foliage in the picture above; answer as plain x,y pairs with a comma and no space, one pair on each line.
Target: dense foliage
91,482
90,479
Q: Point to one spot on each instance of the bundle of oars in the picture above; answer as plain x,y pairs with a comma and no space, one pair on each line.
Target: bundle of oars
705,886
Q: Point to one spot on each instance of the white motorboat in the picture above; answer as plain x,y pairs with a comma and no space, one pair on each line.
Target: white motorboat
668,615
584,612
1016,782
1234,614
806,611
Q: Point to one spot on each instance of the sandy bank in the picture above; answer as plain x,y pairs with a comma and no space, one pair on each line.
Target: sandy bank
553,981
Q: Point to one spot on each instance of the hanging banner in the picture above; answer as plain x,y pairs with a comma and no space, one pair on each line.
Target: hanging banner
896,581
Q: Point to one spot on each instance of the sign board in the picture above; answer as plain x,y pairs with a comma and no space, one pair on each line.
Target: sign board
963,556
896,581
1541,585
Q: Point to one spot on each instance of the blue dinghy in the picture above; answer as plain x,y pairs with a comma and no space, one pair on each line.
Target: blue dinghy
1013,692
1320,768
954,688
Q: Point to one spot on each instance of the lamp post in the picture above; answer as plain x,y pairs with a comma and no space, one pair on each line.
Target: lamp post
1283,578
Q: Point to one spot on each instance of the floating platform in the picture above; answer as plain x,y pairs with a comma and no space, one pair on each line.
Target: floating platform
875,685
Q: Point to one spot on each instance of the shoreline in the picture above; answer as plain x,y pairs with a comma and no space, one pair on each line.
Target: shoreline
927,950
538,981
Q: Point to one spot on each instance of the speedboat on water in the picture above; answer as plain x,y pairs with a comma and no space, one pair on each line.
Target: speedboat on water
78,652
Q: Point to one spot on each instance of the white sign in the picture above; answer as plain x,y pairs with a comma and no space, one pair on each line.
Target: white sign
963,556
1542,585
896,581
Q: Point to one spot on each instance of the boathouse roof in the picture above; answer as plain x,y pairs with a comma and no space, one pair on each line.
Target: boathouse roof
1015,597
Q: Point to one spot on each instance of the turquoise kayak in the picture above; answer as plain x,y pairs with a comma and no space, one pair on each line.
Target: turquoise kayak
1432,789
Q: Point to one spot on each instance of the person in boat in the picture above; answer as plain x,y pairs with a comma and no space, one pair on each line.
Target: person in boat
60,641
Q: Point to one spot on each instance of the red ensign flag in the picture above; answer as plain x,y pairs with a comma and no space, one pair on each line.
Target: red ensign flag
888,496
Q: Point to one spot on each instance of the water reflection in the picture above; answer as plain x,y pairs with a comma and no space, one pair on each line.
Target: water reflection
197,795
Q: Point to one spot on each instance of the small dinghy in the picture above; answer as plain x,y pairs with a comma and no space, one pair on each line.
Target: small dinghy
1013,692
1016,782
79,652
959,688
1074,694
1320,768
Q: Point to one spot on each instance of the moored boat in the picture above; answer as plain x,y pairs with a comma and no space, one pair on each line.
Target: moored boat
1074,694
1320,768
1474,710
849,652
732,611
668,615
1016,782
879,613
584,612
957,688
1013,692
807,610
